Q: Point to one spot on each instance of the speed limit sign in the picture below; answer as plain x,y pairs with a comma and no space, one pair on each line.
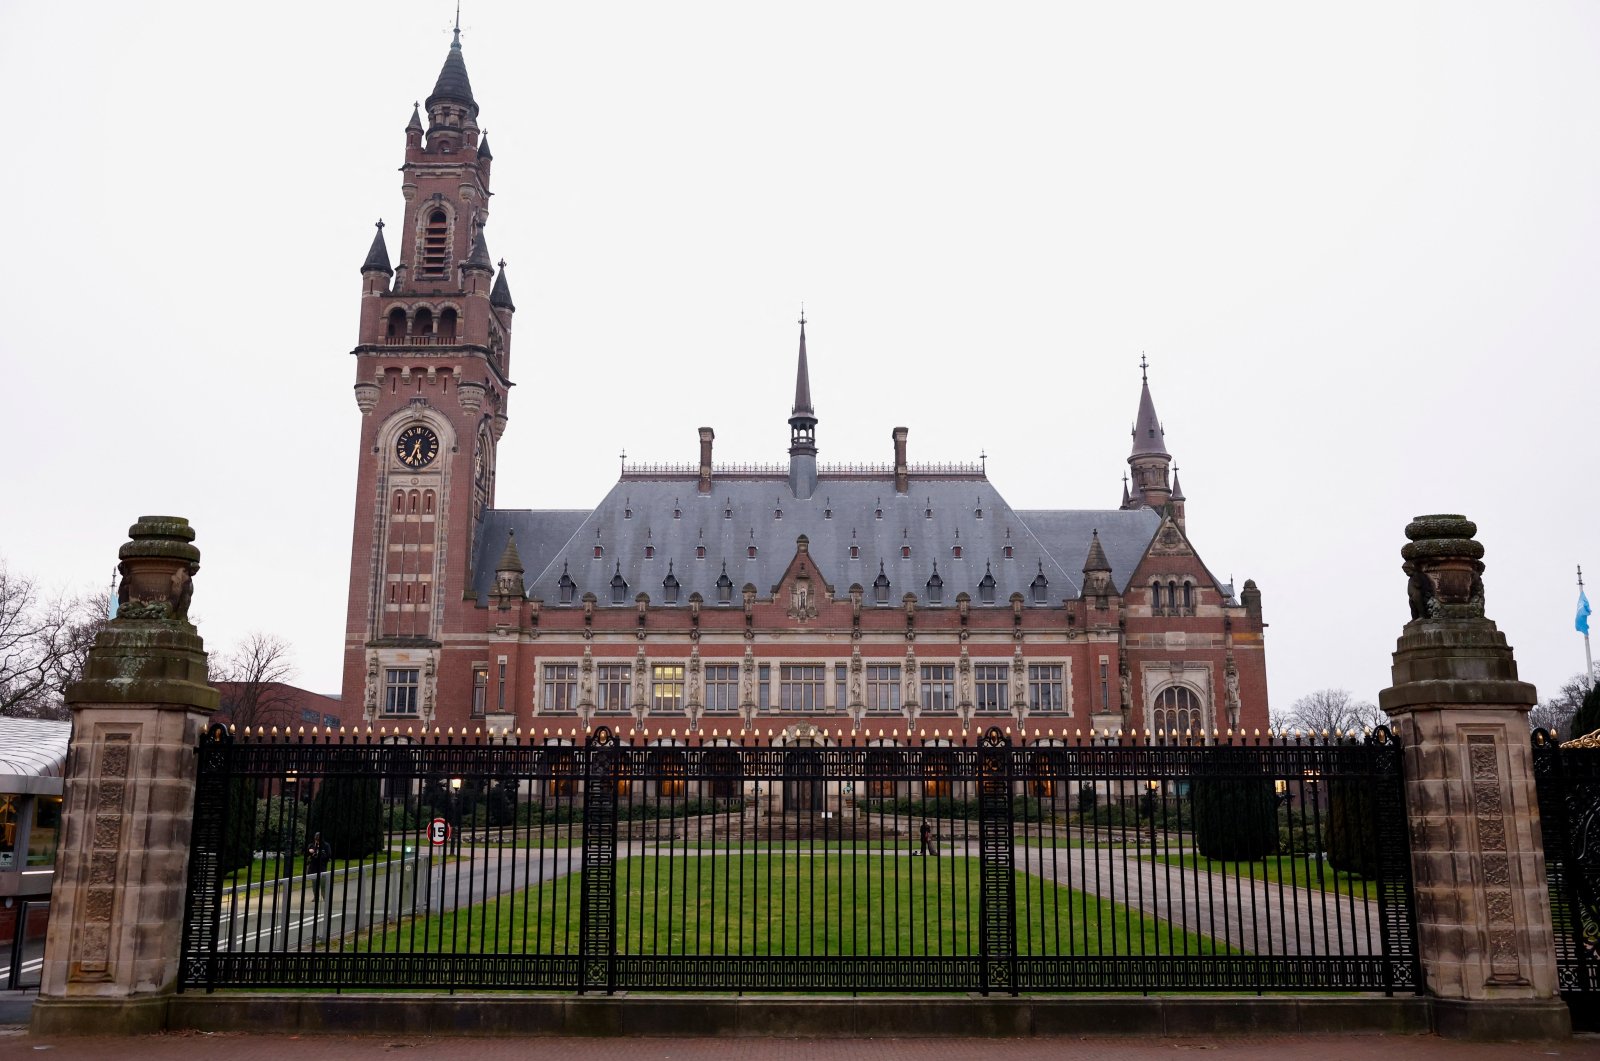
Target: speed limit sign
438,832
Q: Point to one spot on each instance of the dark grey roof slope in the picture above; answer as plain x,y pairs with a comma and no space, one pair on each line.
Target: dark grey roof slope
935,517
453,84
378,256
1124,535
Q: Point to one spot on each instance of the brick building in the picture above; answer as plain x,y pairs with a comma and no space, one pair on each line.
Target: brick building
798,602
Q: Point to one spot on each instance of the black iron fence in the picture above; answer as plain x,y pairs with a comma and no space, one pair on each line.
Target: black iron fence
1568,785
362,861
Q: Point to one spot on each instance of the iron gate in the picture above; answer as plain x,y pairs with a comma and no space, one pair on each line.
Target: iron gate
1568,784
1104,865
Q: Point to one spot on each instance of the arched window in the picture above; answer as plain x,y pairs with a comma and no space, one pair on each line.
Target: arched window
567,586
422,326
436,244
413,501
447,326
1188,596
619,586
399,501
880,586
986,587
427,503
1172,596
1178,709
1155,598
397,324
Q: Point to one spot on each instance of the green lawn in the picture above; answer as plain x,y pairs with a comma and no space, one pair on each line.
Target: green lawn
1314,874
847,905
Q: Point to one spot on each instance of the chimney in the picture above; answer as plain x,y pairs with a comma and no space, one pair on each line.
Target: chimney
706,435
902,473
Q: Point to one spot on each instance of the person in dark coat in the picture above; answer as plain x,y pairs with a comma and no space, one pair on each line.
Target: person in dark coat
928,847
318,855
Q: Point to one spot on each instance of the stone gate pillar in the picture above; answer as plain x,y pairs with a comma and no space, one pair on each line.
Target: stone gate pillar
1483,910
111,956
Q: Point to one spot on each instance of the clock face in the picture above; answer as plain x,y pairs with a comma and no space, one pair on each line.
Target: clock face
417,446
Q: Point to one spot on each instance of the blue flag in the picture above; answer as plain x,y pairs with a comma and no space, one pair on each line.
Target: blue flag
1582,622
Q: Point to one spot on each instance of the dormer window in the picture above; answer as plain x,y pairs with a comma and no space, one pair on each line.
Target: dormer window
880,586
724,586
877,514
777,513
750,552
986,587
567,586
935,587
905,552
827,513
649,552
955,552
727,513
1007,553
855,552
619,586
699,552
669,587
677,513
1040,585
599,552
627,513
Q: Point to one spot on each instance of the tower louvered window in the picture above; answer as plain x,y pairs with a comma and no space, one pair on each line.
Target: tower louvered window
436,245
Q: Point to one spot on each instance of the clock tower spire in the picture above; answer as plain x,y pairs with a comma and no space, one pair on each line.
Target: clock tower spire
432,380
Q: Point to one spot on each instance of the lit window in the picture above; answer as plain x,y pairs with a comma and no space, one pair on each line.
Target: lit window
666,687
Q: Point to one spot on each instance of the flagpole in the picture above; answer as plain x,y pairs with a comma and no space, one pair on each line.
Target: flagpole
1588,657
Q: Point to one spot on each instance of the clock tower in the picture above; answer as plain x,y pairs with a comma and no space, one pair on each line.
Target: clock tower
432,363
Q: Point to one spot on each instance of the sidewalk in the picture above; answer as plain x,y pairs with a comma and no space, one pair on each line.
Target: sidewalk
15,1043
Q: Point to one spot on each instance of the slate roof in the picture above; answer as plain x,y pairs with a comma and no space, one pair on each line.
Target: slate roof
453,84
638,512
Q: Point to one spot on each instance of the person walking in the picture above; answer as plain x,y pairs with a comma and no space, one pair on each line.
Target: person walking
928,847
319,855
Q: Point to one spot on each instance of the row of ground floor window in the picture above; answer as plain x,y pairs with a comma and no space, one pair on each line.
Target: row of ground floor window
886,688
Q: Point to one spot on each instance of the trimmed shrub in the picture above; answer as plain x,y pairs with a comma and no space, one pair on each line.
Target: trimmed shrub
348,811
1352,827
1235,818
280,825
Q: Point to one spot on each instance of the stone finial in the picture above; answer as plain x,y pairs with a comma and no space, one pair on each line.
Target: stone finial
157,569
1444,565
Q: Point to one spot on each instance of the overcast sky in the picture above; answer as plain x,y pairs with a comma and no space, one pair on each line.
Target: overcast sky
1359,243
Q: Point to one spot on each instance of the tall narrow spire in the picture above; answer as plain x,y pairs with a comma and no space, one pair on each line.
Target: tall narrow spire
378,257
1149,459
802,427
453,84
802,378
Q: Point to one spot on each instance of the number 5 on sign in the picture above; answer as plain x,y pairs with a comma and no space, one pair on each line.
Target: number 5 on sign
438,832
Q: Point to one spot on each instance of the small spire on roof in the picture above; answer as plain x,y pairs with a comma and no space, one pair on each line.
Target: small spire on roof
1097,555
378,257
510,559
1177,490
483,147
416,117
1148,436
479,256
501,294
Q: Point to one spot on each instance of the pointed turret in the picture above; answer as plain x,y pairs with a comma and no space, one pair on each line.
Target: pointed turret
378,257
1127,498
1149,458
500,297
1177,499
1096,561
1097,571
479,258
453,85
802,428
508,570
483,149
414,127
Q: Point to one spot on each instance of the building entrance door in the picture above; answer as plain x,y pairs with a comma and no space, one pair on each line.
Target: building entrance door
802,785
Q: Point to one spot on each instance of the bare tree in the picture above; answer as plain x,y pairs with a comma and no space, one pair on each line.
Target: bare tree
1334,710
44,640
1555,714
253,680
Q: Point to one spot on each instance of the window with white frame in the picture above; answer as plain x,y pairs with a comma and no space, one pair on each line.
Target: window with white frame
400,691
883,687
1045,691
992,687
722,687
801,686
560,687
939,686
480,688
611,686
666,687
